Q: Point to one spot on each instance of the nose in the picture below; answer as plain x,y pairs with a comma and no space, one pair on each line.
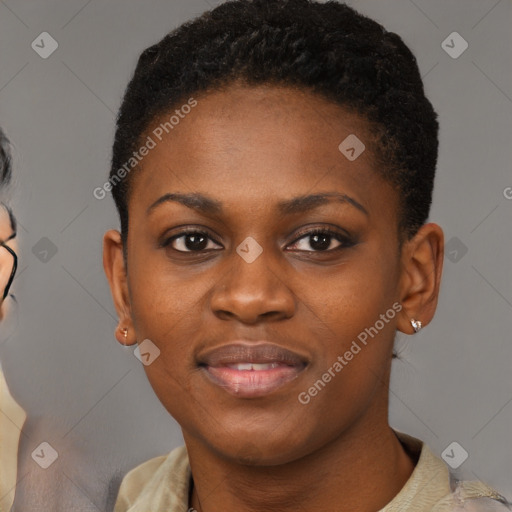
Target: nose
252,292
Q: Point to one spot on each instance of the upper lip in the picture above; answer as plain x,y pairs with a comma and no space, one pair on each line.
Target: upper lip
250,352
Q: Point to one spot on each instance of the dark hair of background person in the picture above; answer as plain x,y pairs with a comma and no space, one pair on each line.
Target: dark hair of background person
5,161
5,181
6,174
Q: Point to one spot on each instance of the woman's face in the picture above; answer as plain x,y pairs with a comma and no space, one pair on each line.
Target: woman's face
209,302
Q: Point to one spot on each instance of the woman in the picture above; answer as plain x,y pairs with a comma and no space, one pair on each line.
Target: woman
273,168
12,416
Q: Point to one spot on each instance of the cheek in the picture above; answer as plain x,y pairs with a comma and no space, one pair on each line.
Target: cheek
167,309
355,318
352,310
353,353
161,301
351,298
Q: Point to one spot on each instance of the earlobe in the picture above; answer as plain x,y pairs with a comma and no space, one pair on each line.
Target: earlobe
122,336
113,264
422,264
417,325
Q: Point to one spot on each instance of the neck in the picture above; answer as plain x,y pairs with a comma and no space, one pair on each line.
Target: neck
367,459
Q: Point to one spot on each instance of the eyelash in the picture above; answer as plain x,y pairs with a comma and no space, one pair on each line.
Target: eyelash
344,239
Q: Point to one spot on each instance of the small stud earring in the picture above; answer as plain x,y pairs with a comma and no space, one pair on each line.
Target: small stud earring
125,332
416,325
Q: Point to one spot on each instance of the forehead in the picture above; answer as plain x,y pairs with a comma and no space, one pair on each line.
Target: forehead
254,142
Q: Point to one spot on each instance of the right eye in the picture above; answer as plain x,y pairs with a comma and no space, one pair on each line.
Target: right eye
189,241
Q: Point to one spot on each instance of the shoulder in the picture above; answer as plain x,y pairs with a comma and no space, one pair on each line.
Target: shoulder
472,496
434,488
159,482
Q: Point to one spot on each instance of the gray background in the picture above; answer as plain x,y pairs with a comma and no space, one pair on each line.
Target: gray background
88,396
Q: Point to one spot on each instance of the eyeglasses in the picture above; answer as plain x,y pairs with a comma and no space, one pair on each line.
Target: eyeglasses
15,257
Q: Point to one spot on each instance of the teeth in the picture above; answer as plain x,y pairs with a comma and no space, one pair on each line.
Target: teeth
253,366
241,366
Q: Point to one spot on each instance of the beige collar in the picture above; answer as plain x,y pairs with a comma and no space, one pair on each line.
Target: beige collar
428,483
163,484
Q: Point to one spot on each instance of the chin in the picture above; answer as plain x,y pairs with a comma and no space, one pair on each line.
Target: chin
262,449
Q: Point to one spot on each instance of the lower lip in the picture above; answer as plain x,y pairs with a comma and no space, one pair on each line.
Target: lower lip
251,383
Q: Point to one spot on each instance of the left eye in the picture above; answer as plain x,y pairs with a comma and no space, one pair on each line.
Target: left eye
321,240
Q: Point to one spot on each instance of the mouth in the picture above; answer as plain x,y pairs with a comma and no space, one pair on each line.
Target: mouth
250,370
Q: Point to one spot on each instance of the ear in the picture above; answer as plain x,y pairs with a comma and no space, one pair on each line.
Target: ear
114,266
420,280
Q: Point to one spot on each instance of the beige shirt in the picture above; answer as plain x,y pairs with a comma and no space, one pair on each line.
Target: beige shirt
12,417
163,483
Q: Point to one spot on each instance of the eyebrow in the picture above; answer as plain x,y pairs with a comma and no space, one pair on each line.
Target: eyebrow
209,206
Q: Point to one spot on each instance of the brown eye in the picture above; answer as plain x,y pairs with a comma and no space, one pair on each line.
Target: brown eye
320,240
189,241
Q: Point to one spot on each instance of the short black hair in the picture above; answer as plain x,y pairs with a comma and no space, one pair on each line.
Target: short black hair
326,48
